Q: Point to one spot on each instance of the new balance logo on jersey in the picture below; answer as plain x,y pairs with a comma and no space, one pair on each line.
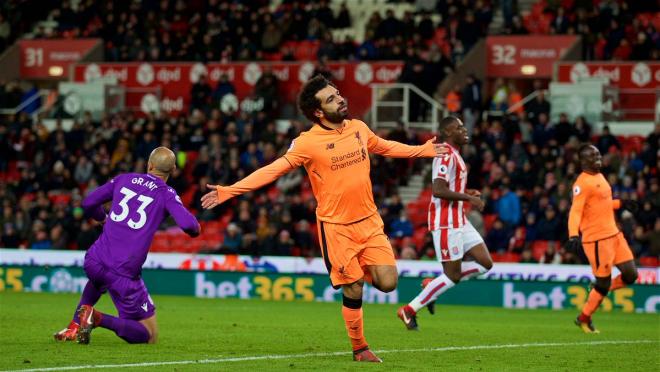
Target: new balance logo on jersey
330,146
144,307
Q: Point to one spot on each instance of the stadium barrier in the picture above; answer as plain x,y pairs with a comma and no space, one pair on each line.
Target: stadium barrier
311,287
302,265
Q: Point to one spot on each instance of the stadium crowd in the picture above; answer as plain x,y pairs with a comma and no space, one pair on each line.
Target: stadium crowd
219,30
523,162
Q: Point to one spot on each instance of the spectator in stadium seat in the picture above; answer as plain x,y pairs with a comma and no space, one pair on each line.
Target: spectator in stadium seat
549,226
508,9
469,31
526,256
508,205
401,227
303,238
40,239
390,27
551,254
271,38
606,140
650,240
471,102
497,238
200,95
284,244
543,131
408,252
561,22
343,19
517,27
223,88
453,100
583,129
537,106
9,237
530,228
267,88
641,48
233,240
58,237
563,130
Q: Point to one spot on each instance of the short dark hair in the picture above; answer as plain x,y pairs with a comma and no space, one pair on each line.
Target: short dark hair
307,101
584,147
445,122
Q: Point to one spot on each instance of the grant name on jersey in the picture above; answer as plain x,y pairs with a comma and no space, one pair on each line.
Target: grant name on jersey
151,185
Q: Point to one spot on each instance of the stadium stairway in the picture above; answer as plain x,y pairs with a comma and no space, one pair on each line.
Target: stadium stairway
415,186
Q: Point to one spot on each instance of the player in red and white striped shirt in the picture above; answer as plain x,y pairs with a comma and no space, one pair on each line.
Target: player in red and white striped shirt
458,245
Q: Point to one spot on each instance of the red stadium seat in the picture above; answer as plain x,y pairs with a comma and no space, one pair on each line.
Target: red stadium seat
538,248
161,242
425,195
510,257
179,242
418,236
497,257
649,261
489,220
187,196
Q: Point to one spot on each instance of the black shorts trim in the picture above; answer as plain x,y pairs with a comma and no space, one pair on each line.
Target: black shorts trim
597,256
326,258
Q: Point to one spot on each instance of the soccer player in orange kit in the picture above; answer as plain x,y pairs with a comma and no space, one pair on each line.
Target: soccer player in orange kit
592,214
335,153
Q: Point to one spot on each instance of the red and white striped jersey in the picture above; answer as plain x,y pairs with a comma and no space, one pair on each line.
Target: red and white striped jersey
444,213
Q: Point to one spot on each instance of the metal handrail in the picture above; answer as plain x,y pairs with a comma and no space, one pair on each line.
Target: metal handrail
524,101
407,88
8,111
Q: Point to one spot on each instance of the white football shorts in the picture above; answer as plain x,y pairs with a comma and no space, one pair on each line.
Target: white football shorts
451,243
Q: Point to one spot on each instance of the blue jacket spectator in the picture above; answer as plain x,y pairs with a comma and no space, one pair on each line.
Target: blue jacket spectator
508,207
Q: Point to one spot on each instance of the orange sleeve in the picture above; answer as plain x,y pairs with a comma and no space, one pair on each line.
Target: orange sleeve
395,149
575,215
261,177
298,153
616,203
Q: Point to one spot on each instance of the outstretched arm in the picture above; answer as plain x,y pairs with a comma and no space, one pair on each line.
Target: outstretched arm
183,218
261,177
395,149
93,204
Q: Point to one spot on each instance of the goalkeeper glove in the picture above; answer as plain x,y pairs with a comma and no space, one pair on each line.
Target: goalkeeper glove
573,244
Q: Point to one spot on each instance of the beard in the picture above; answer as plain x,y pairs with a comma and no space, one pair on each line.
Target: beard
335,117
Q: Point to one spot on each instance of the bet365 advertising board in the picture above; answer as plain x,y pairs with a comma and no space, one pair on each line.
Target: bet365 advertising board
313,287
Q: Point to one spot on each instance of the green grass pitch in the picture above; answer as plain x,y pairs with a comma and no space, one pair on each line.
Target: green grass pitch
203,334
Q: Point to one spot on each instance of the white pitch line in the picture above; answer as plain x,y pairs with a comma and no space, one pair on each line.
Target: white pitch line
336,353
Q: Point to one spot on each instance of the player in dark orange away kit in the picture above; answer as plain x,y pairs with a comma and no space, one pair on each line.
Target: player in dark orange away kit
335,153
592,214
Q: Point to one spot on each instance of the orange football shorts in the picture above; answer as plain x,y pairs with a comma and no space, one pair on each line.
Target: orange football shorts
605,253
347,249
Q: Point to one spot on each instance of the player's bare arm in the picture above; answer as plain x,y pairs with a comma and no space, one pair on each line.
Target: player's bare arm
441,190
473,192
257,179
